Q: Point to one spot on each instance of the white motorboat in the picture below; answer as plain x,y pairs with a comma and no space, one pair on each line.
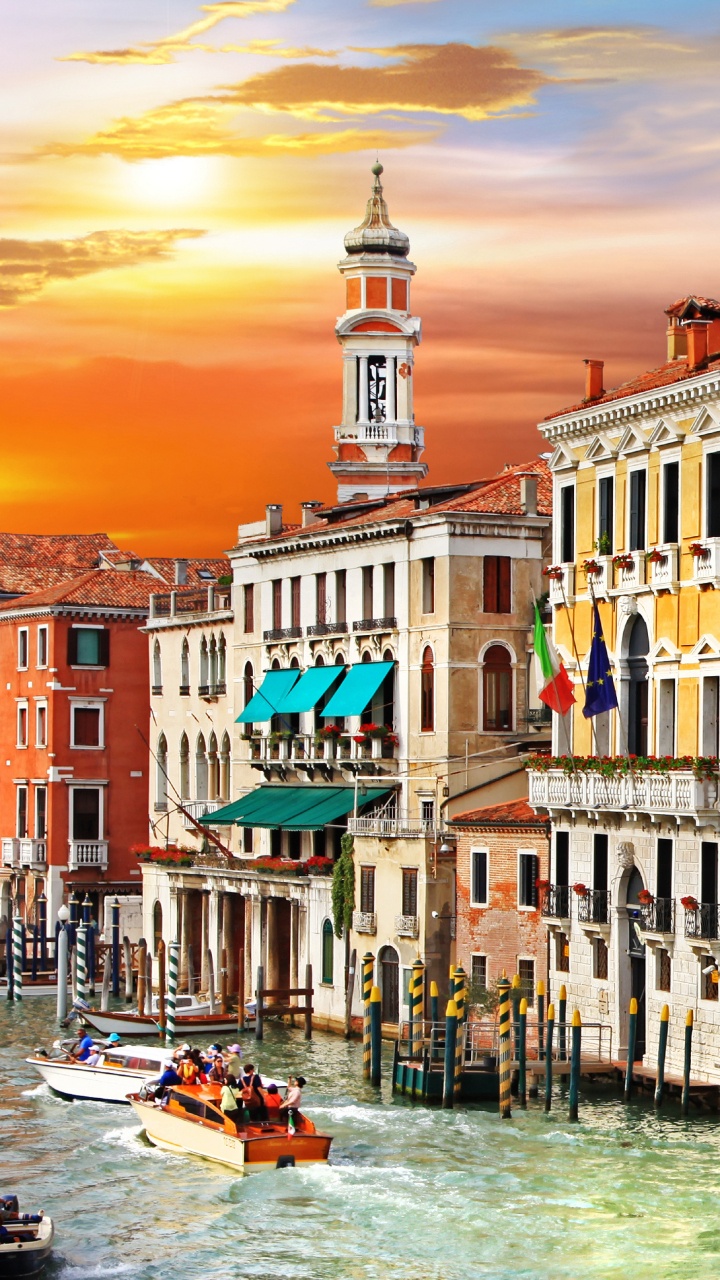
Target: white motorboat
26,1240
122,1069
189,1023
44,985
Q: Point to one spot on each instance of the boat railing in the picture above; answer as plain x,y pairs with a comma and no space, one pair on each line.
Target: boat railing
481,1041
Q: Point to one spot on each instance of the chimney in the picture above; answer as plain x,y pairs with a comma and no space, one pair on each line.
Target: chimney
697,343
273,518
676,339
594,379
308,513
528,495
181,570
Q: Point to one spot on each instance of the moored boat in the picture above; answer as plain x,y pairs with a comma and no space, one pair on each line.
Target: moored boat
122,1069
26,1240
44,985
135,1024
190,1120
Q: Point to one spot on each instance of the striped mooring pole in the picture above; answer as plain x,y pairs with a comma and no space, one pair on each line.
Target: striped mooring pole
562,1020
115,943
540,989
549,1056
575,1050
62,943
417,998
460,981
89,944
662,1050
504,1036
368,962
451,985
522,1053
375,1036
173,969
81,973
434,998
515,996
42,926
685,1100
632,1036
17,936
451,1022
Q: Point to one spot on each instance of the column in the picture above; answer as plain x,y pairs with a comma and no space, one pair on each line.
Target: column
294,941
184,938
390,389
251,948
214,942
202,963
362,389
227,942
272,971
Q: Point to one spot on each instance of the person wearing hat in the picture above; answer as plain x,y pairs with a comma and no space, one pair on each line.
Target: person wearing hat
113,1038
168,1078
233,1063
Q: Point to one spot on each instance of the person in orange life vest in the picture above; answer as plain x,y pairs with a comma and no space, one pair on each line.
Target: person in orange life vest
188,1071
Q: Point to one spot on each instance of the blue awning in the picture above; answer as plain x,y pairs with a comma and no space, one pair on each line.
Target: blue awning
304,808
309,689
357,689
266,702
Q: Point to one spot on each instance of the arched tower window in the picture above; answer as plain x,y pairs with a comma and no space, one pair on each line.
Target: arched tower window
222,664
212,664
185,668
427,691
184,768
497,689
225,767
248,691
204,663
161,783
157,668
201,769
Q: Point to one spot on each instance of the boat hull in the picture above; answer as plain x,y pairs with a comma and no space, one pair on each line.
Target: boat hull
133,1024
30,988
95,1084
28,1258
172,1132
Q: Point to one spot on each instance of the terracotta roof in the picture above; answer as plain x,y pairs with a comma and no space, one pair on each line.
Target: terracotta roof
29,561
219,567
514,813
695,307
101,588
666,374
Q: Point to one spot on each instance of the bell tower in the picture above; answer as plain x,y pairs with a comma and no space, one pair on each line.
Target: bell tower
377,444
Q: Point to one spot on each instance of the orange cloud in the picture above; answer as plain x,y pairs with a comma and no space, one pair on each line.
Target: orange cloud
158,52
27,267
618,53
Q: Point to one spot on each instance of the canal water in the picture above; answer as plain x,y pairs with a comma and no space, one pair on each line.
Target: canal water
411,1193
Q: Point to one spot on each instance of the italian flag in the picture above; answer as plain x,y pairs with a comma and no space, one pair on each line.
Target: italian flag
553,682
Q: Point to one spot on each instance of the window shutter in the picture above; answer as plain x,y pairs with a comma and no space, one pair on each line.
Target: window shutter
490,584
504,585
72,639
713,495
104,647
479,874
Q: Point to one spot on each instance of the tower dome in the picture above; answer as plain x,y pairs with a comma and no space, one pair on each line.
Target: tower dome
376,233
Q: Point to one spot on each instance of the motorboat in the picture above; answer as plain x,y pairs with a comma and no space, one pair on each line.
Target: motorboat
26,1240
121,1069
44,985
189,1119
187,1024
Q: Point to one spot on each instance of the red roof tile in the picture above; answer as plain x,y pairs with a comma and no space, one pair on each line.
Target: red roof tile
219,567
694,306
100,588
29,561
665,375
515,813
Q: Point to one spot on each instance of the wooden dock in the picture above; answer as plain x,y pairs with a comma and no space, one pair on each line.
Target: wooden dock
702,1094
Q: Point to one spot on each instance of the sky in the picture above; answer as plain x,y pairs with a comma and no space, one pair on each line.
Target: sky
176,179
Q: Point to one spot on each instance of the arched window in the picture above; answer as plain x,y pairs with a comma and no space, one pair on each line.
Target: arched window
328,950
157,927
497,688
387,693
225,767
203,664
248,691
161,784
222,664
212,665
185,668
638,648
157,668
201,769
184,768
427,692
213,769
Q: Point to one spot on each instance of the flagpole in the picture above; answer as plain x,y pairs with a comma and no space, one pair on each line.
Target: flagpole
623,735
553,682
593,731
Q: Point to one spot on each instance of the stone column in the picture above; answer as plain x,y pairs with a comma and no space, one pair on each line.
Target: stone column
214,925
184,920
294,924
363,400
204,934
390,389
273,979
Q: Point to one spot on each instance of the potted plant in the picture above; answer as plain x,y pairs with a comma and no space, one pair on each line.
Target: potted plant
645,898
696,549
554,572
656,556
603,546
344,746
591,567
689,902
581,890
624,561
255,746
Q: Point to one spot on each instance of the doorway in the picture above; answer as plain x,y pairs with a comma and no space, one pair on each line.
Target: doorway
638,649
637,953
390,984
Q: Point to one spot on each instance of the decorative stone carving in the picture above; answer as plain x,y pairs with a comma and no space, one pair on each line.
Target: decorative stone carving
626,854
628,605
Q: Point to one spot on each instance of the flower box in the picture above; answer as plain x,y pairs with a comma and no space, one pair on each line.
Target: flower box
623,562
591,567
581,890
656,557
555,572
702,767
328,731
689,903
697,549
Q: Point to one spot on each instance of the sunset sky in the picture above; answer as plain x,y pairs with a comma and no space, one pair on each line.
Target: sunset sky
176,179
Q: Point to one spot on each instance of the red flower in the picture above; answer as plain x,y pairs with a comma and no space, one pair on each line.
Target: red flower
689,903
580,889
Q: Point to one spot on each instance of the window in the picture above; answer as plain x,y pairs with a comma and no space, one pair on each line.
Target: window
712,496
562,858
428,585
225,767
23,646
666,718
22,724
664,873
496,584
184,768
248,607
478,974
248,691
157,927
247,839
367,592
527,877
42,647
388,590
41,724
277,604
22,812
213,768
497,689
367,889
40,813
409,891
294,602
204,665
567,524
710,717
562,953
185,669
708,987
212,664
427,692
341,595
638,483
664,970
85,813
479,877
321,598
328,949
201,769
427,812
161,781
86,726
157,668
88,647
600,862
600,959
671,504
526,974
221,664
605,515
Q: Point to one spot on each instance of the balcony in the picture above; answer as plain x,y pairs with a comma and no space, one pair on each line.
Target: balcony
675,793
33,853
599,576
365,922
327,629
282,633
11,852
196,600
562,588
629,571
198,809
702,921
663,568
556,902
707,562
303,752
375,624
387,827
407,926
658,916
377,432
594,907
88,853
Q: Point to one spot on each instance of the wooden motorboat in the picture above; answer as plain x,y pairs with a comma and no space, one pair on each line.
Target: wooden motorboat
122,1069
26,1240
187,1025
189,1119
44,985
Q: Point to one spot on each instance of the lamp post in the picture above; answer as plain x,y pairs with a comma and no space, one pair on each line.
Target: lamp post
61,959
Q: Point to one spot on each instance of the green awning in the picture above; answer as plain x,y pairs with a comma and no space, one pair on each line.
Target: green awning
307,808
265,703
309,689
360,685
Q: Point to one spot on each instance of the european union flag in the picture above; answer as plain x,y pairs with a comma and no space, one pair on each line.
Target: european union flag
600,692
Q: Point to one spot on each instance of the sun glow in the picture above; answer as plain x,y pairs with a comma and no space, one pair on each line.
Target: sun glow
176,182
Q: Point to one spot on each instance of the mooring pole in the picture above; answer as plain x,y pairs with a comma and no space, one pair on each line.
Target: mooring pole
368,962
17,958
259,1003
515,996
161,988
142,975
540,1016
89,945
42,926
685,1104
308,1001
173,969
107,975
662,1049
115,943
81,979
504,1037
376,1036
632,1035
9,958
575,1050
210,966
35,945
451,1021
61,948
434,1001
241,987
549,1056
417,988
521,1053
461,1005
223,981
562,1020
127,959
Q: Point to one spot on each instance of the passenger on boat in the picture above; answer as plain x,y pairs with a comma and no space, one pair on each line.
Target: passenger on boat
168,1077
93,1059
81,1050
180,1053
112,1039
272,1102
252,1097
233,1063
188,1071
199,1061
231,1101
293,1097
216,1073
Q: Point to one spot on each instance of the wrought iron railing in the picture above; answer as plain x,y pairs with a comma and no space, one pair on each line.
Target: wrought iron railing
407,926
539,715
283,633
594,907
376,624
556,902
658,916
327,629
365,922
702,921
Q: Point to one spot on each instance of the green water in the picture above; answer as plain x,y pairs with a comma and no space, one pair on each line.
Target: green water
410,1194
